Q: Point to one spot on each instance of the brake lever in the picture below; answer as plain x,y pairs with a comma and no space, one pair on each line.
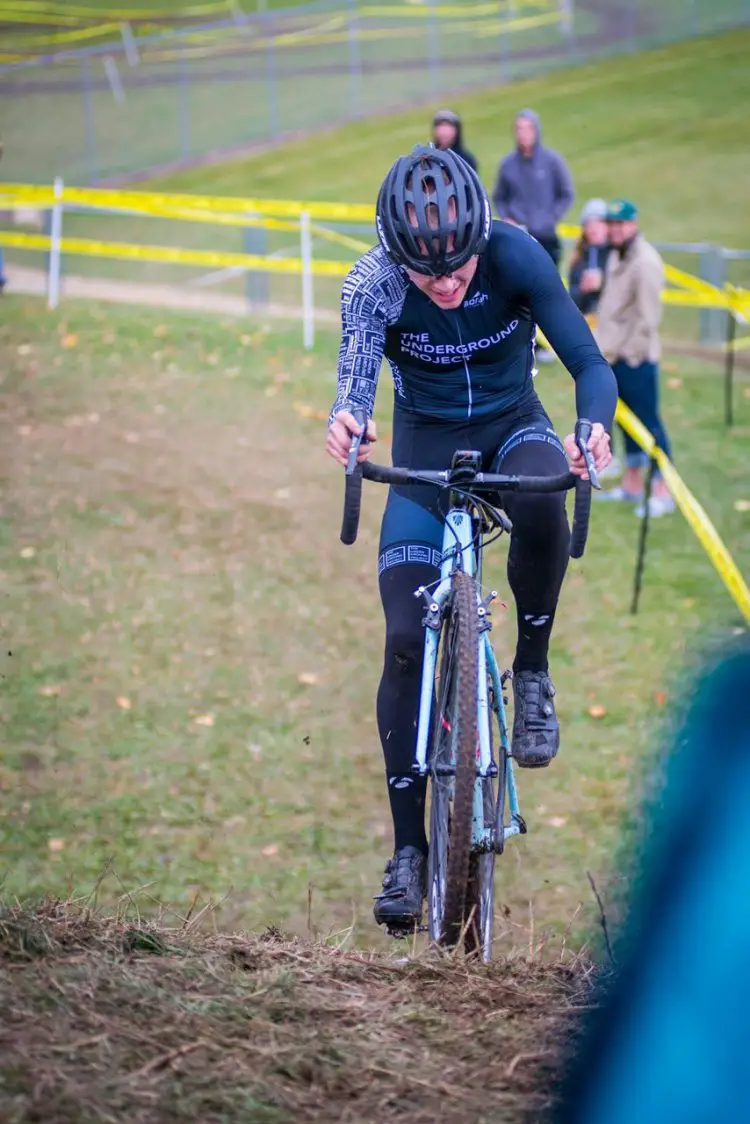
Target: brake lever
582,433
360,416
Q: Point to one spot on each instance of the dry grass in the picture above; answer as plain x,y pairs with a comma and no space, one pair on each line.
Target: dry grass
111,1019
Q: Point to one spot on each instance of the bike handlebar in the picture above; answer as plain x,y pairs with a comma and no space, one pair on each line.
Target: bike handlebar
466,478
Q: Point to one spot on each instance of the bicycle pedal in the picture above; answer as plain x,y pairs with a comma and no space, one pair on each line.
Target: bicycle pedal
402,932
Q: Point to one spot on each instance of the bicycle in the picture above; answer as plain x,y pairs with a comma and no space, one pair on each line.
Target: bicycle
454,746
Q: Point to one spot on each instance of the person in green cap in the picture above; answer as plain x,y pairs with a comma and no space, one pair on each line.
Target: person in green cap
628,335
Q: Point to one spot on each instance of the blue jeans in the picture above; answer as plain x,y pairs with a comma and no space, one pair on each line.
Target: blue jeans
639,389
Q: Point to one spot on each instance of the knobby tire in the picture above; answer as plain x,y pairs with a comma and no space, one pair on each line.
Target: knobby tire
464,740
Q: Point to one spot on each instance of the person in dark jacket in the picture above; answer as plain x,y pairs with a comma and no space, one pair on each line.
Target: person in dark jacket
447,132
534,189
589,261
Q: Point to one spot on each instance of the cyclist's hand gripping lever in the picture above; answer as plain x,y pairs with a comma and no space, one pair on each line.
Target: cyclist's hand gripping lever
360,416
353,492
582,435
582,506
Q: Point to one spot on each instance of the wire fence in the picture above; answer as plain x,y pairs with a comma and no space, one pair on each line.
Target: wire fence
142,99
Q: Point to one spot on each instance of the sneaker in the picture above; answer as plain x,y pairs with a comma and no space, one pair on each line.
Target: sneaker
404,888
614,468
657,506
536,733
618,495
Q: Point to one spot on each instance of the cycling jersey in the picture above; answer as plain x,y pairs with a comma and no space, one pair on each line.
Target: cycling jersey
475,361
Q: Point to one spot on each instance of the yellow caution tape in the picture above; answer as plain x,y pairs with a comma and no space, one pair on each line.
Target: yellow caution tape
18,15
448,11
170,255
107,199
233,211
146,12
696,517
73,36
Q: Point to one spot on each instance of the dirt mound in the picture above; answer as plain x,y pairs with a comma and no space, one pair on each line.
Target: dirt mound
108,1020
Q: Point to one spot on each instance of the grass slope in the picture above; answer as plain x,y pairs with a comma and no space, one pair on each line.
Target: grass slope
109,1020
665,127
182,697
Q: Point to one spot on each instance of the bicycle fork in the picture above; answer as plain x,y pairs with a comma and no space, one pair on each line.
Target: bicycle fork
485,837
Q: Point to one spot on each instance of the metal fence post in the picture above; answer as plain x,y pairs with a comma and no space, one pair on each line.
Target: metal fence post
184,107
567,24
92,171
308,305
633,25
355,63
271,79
505,15
255,241
434,48
55,264
713,321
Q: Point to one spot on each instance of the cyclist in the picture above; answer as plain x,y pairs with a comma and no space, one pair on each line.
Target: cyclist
452,300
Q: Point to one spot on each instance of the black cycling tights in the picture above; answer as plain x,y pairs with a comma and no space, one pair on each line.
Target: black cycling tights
537,561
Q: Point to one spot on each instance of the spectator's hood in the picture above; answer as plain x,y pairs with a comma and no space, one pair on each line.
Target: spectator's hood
448,117
530,115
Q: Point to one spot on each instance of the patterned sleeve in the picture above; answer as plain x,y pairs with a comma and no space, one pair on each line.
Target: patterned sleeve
372,297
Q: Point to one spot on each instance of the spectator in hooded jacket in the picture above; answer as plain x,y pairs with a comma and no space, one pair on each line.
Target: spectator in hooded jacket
589,261
628,334
534,189
447,132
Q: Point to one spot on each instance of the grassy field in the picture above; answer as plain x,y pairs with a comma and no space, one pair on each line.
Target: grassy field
181,699
665,127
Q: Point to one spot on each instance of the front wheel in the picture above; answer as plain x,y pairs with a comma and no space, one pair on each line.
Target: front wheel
453,765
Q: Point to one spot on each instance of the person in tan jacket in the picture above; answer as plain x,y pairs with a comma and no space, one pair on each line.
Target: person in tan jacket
628,335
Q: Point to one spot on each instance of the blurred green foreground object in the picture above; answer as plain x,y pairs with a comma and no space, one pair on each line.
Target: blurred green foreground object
670,1042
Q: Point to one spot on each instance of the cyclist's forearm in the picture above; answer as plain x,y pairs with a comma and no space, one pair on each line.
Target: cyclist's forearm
596,393
357,381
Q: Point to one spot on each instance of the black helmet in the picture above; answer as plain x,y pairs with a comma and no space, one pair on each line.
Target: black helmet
439,178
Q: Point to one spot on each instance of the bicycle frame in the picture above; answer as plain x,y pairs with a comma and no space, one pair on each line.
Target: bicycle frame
458,539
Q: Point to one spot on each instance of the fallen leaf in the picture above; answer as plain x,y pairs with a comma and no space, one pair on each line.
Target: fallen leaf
204,720
308,678
688,602
660,698
161,330
123,703
70,340
234,821
282,494
246,340
669,366
597,710
269,851
746,392
742,505
557,821
50,689
28,552
674,384
56,845
24,349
